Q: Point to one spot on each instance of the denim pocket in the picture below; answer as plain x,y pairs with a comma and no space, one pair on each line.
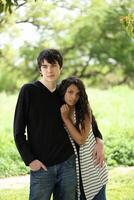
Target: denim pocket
38,172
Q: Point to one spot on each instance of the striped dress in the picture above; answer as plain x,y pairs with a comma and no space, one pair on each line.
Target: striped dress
93,176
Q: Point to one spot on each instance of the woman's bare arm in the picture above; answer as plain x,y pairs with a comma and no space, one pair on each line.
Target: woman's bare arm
78,136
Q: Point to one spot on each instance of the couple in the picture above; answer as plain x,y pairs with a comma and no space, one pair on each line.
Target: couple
57,136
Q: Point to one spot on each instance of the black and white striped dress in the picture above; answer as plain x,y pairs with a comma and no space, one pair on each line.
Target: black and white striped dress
93,176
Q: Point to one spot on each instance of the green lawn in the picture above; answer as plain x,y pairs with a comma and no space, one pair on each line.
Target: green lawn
120,186
20,194
114,111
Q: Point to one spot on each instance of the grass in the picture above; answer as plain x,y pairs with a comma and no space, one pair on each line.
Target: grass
114,113
113,109
21,194
11,164
120,186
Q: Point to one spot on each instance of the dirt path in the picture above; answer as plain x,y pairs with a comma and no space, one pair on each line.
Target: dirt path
14,182
22,181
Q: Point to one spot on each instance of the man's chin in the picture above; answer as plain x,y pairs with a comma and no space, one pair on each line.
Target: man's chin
51,79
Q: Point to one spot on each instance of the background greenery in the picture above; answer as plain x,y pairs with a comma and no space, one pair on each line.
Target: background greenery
113,110
96,47
90,35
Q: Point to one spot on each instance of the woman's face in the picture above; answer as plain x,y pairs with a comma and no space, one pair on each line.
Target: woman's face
72,95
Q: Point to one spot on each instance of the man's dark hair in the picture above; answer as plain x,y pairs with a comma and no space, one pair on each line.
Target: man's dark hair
51,55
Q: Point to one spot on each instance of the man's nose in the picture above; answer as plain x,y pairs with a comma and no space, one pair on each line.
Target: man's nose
49,69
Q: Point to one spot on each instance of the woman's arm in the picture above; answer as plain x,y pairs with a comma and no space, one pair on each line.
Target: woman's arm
78,136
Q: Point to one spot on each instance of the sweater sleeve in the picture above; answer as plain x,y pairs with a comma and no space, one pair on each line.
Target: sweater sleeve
96,130
20,123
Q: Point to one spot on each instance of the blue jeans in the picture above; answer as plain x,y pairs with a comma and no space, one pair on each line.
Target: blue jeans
100,196
59,179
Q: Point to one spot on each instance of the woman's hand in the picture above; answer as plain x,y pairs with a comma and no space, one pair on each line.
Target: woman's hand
65,111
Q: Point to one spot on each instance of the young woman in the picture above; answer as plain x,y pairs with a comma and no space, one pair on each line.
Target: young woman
79,122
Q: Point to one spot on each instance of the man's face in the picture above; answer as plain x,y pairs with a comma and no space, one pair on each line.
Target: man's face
50,72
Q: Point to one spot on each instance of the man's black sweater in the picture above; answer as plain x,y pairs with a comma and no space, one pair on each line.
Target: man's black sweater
38,111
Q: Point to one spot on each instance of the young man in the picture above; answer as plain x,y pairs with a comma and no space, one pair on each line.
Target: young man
40,136
46,149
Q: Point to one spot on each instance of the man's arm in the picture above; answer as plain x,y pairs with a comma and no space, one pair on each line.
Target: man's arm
99,148
95,128
20,122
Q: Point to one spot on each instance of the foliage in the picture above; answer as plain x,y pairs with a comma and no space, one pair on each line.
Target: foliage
88,33
11,163
120,151
114,114
128,23
6,5
101,41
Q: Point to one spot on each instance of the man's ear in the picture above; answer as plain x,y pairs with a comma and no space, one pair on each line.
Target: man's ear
40,73
61,69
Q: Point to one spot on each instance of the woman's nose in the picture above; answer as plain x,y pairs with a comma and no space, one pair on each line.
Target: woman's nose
74,97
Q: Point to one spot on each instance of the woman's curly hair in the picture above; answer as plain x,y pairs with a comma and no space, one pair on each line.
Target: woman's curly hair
82,107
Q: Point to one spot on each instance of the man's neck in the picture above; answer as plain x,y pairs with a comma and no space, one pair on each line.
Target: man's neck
50,85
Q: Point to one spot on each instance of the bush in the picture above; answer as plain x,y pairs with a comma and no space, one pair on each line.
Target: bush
119,151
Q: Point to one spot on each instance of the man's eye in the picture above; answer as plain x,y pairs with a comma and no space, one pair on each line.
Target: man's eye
54,65
44,66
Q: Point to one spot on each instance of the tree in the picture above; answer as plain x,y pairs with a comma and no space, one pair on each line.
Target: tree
128,23
103,51
7,5
43,19
89,34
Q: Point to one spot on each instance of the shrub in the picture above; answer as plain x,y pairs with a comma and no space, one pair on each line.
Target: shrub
119,151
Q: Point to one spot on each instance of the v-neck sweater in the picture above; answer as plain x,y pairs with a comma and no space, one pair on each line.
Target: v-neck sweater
38,127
